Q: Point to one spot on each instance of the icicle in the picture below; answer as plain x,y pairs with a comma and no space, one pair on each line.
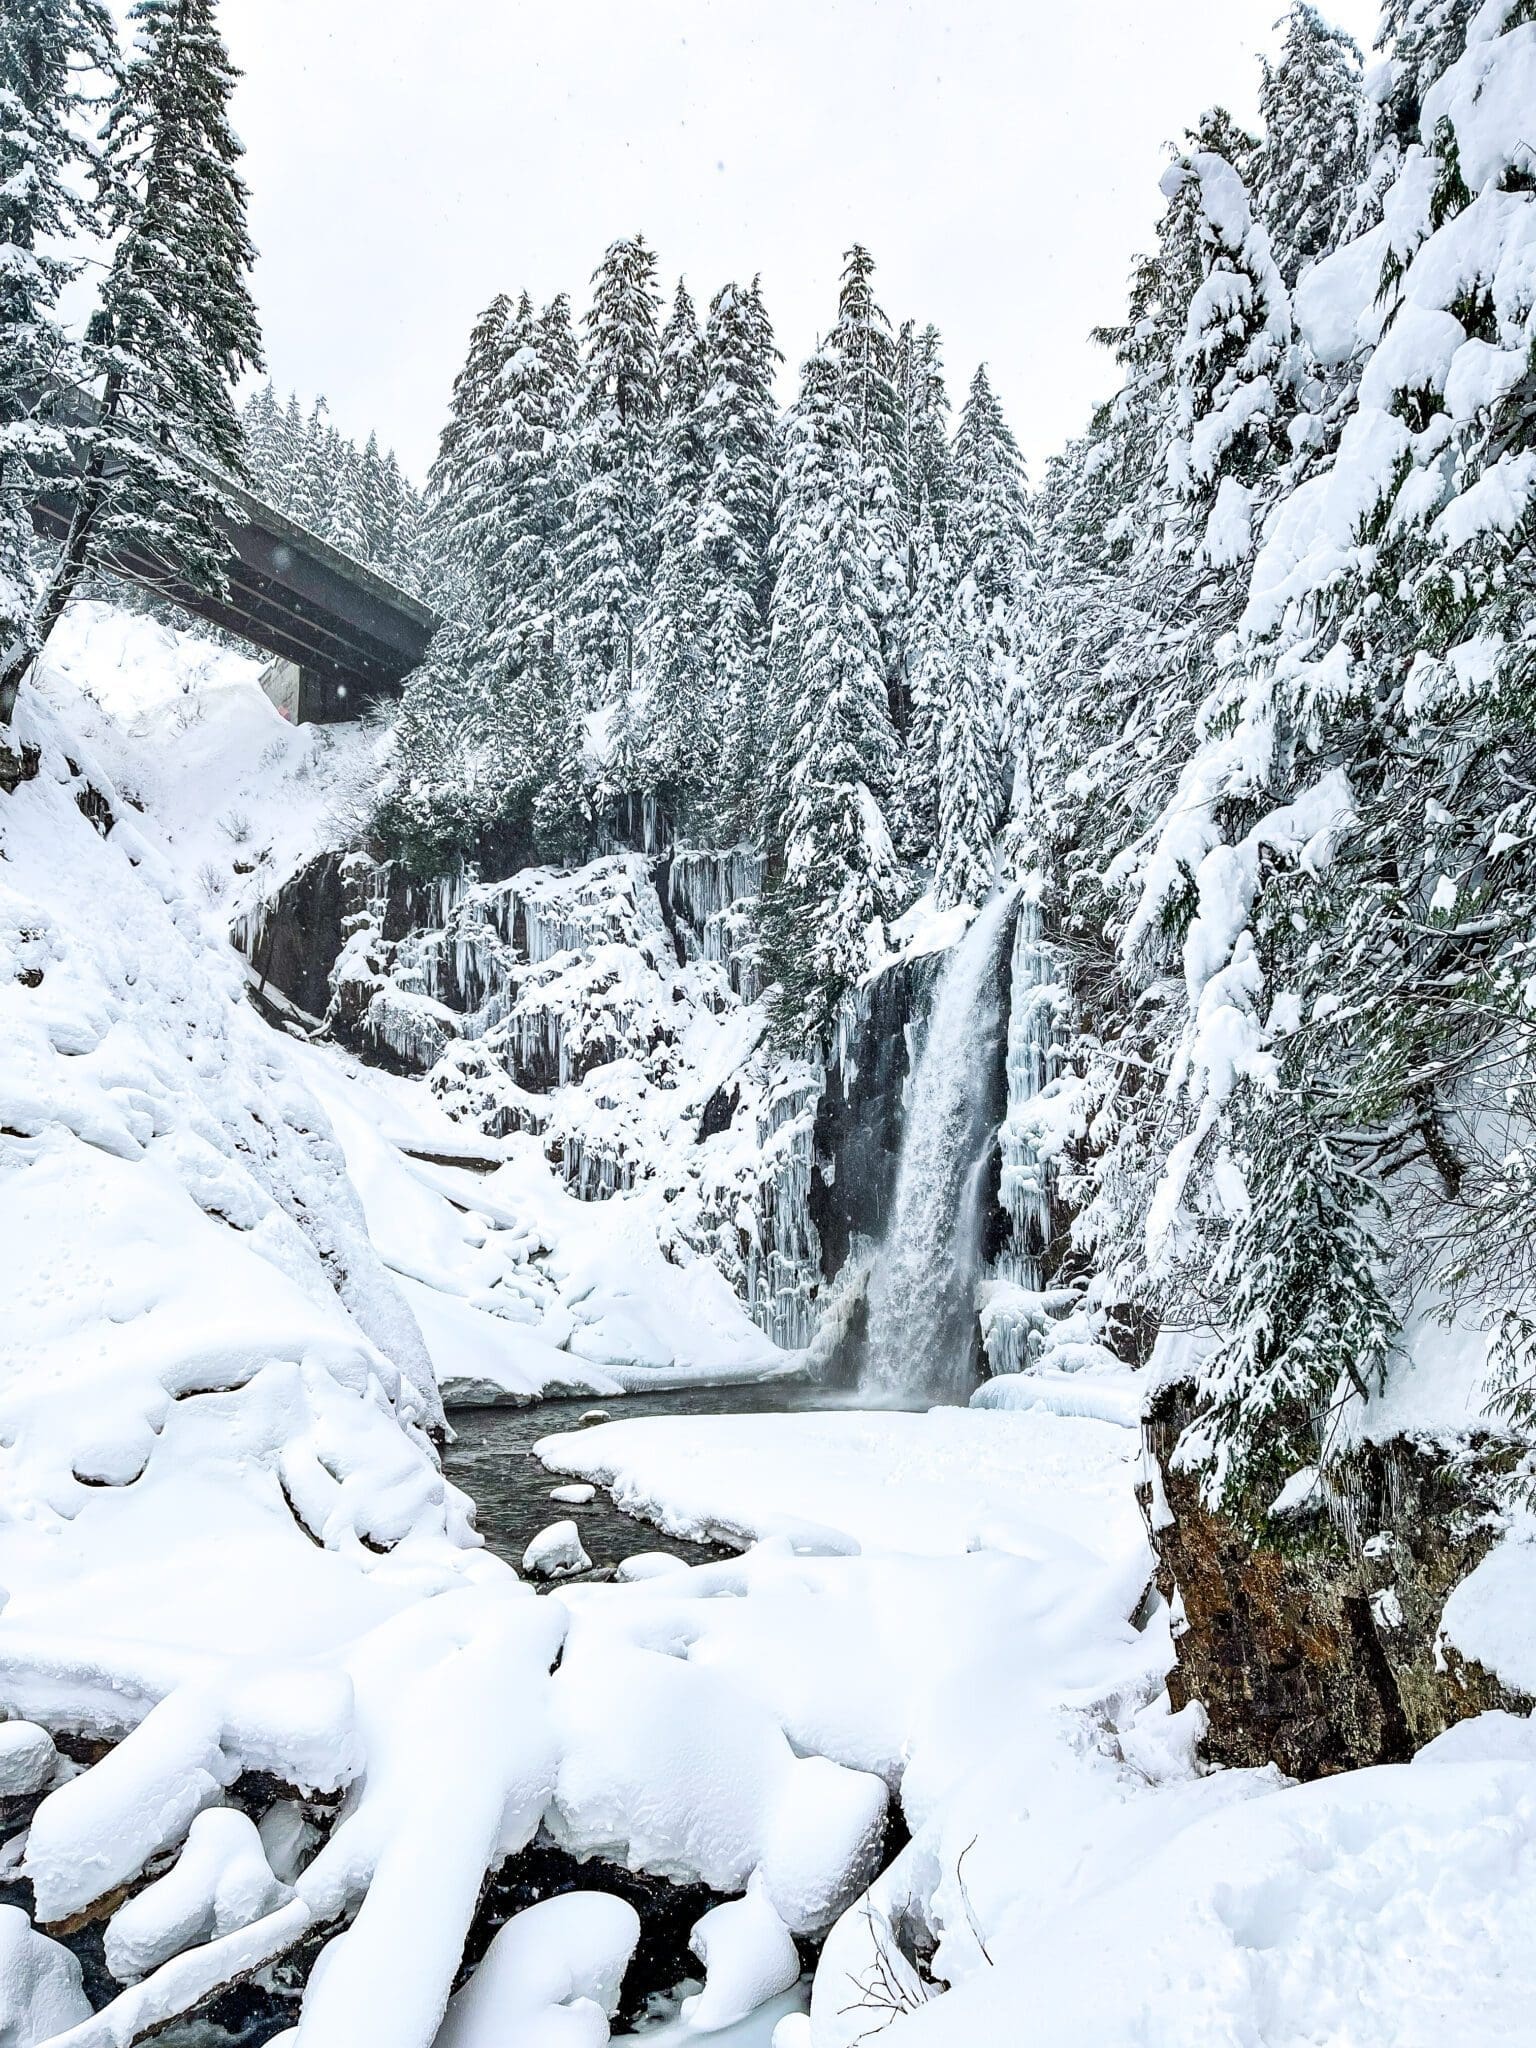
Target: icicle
1019,1318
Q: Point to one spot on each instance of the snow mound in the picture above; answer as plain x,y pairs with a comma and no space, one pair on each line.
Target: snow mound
556,1552
550,1978
749,1956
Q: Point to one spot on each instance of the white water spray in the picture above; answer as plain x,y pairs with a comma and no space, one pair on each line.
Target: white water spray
922,1292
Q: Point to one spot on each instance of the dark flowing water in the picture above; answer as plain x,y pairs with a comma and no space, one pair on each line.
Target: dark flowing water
492,1461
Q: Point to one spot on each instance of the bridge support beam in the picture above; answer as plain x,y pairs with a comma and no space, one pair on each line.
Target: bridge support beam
307,698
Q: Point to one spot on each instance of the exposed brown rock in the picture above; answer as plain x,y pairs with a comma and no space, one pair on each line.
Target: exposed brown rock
1316,1647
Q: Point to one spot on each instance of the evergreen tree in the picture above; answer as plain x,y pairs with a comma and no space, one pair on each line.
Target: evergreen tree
740,428
928,656
47,47
1308,1322
175,326
681,736
962,682
611,556
524,646
834,870
1312,110
866,352
925,428
261,424
989,543
291,455
461,483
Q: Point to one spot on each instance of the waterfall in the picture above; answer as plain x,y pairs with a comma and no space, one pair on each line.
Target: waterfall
922,1292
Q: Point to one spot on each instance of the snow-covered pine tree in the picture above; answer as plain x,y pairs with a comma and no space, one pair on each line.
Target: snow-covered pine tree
963,680
524,650
928,654
261,424
314,475
1305,1315
611,550
347,526
740,426
865,347
925,428
1233,364
678,732
175,326
1357,885
379,492
1312,111
461,483
48,48
833,871
989,543
291,461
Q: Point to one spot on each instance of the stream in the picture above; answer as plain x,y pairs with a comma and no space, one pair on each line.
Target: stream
491,1459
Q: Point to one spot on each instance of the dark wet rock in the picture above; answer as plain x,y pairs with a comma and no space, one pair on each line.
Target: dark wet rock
1313,1644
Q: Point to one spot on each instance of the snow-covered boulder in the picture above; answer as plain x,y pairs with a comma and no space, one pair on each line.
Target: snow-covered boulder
40,1987
28,1759
749,1956
550,1978
220,1882
556,1553
650,1564
578,1496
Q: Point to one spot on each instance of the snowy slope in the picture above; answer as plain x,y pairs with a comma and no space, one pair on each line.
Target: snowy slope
517,1288
1070,1861
239,797
228,1556
520,1289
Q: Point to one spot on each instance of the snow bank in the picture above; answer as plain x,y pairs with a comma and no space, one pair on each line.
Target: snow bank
932,1484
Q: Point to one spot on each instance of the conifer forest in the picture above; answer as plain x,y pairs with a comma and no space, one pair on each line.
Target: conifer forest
768,1183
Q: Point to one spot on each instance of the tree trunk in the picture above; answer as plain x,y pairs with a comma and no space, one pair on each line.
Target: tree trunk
70,567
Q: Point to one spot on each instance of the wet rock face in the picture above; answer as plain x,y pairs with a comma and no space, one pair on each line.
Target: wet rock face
302,932
1317,1651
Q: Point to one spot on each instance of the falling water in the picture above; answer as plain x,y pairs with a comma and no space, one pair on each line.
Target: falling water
922,1292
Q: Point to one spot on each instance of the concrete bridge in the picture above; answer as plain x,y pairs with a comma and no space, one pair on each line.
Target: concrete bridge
340,636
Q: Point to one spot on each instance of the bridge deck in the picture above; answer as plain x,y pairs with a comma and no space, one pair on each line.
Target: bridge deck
354,635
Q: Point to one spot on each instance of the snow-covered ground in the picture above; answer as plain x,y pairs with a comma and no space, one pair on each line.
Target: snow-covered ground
1070,1859
519,1288
318,1711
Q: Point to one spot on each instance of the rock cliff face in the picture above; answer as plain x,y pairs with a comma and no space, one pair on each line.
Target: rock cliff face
569,1006
610,1012
1319,1649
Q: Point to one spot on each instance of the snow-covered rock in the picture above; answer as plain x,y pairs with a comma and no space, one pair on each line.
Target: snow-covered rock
550,1978
573,1496
40,1984
749,1957
556,1552
28,1759
219,1883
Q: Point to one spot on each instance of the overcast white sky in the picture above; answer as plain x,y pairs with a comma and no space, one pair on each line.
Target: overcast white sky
1000,157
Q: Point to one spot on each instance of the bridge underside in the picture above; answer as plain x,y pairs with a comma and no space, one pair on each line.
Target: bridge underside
350,636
